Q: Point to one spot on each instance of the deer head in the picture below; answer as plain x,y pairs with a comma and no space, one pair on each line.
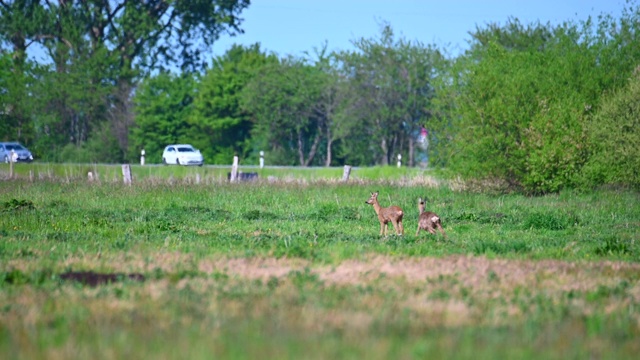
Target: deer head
373,198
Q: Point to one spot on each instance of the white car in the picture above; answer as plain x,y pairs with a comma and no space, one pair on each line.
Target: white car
182,154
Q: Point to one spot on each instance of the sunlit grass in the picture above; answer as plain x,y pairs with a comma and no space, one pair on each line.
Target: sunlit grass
328,222
158,174
292,269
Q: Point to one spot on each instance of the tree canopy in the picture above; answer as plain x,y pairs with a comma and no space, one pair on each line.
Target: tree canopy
96,51
538,107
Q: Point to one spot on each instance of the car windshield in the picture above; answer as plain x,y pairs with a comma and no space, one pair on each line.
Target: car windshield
14,147
185,149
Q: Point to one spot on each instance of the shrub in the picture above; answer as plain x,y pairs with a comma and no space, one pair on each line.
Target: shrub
614,137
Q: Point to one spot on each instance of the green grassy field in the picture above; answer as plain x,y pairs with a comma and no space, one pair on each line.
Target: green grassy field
155,174
295,268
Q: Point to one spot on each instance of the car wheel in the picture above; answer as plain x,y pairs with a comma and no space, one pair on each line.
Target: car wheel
6,159
201,164
164,161
177,161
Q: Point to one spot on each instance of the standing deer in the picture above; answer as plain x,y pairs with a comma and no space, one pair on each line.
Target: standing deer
428,220
391,214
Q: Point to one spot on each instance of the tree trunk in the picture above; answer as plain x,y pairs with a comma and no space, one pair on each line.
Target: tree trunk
385,152
300,149
312,151
411,152
329,144
121,114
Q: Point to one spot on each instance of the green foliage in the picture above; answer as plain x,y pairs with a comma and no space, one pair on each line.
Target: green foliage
391,83
523,108
614,245
218,124
281,97
549,221
15,117
17,277
15,204
101,147
163,106
5,71
614,135
96,52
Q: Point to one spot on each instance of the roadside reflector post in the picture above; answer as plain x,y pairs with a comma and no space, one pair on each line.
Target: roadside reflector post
12,160
234,170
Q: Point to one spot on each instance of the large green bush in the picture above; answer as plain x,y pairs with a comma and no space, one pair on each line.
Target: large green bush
523,100
615,139
521,119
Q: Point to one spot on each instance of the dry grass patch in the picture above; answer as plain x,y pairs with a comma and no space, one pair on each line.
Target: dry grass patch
378,297
451,291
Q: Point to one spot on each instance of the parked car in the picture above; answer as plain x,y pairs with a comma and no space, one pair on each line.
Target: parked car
22,154
182,154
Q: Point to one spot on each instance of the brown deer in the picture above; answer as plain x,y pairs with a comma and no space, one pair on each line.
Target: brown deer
428,220
391,214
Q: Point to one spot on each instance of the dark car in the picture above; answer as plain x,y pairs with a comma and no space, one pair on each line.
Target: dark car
15,149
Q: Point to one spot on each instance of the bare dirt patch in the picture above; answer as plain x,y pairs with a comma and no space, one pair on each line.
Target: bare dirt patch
94,279
468,270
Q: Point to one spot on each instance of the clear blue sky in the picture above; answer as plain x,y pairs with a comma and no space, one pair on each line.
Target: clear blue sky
290,27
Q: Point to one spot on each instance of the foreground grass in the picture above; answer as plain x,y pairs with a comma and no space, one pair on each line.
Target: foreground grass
294,270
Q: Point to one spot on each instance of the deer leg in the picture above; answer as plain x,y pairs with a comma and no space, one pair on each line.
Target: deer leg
383,228
395,226
442,230
401,227
418,230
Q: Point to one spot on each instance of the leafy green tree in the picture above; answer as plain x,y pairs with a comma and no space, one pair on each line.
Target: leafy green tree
17,74
105,46
282,97
616,42
16,105
163,105
219,126
392,82
332,102
5,81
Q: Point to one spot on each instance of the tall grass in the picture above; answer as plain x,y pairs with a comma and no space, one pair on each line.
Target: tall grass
328,222
296,269
206,174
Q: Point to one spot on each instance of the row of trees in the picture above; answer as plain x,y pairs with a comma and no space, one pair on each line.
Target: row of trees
72,96
540,107
362,107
